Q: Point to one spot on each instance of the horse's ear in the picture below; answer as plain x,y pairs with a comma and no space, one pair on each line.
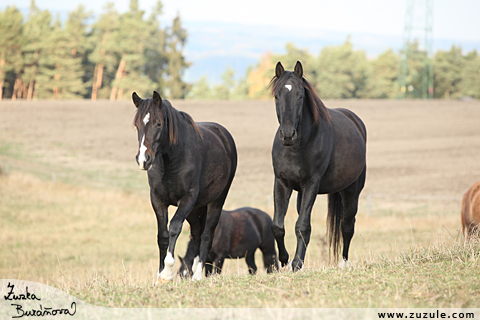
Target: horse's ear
157,99
136,99
299,69
279,69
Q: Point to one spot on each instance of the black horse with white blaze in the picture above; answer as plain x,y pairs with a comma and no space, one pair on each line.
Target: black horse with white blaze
190,165
316,150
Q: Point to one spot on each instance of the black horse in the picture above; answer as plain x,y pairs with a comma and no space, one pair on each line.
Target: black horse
239,234
316,150
189,165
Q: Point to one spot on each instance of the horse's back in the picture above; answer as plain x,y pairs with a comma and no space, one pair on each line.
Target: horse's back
355,120
263,223
471,209
222,133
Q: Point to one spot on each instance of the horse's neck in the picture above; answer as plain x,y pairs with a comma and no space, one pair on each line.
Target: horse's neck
306,127
175,154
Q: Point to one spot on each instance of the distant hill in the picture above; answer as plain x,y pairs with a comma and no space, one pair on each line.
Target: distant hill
212,46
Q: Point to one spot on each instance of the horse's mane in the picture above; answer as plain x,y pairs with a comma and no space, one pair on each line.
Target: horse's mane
171,116
318,109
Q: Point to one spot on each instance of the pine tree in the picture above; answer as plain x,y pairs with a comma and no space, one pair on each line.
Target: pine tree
342,72
11,42
36,30
471,75
384,76
200,90
76,32
176,38
448,67
104,55
131,40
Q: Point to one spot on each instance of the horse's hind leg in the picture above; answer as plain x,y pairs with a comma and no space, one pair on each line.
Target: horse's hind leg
196,219
350,204
214,210
250,260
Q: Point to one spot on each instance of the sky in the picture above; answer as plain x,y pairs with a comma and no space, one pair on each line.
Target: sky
236,34
456,20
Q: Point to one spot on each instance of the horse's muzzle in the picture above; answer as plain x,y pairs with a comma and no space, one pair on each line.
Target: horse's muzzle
288,140
144,164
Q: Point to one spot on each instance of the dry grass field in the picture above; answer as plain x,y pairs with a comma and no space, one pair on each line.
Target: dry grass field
75,211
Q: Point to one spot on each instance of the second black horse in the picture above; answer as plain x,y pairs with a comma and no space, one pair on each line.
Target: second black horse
316,151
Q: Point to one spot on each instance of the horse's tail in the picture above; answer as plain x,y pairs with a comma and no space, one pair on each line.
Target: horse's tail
334,222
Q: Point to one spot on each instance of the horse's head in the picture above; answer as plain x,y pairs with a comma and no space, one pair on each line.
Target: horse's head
149,122
289,93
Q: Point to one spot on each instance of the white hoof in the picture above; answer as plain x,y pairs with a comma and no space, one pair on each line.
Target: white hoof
167,272
344,264
195,264
198,275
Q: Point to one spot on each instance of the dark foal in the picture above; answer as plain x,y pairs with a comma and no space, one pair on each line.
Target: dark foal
316,150
239,234
190,165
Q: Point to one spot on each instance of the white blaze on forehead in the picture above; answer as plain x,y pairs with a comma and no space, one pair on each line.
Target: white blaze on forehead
146,118
289,87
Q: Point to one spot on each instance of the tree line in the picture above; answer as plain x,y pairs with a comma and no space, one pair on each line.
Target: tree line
341,72
42,57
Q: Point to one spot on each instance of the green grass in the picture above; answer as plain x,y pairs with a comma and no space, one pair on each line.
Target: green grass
100,246
90,230
441,275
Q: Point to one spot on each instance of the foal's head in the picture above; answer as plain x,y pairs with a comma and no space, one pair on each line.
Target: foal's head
150,121
292,91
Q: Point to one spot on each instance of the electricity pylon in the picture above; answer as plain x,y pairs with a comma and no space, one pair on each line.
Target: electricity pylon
413,81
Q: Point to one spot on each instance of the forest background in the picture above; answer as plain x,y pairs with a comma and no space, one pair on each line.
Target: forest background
108,56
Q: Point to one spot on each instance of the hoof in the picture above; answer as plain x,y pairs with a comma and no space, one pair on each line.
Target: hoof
297,265
161,281
198,275
344,264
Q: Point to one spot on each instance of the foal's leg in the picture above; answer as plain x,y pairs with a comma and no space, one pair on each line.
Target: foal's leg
281,195
161,213
250,260
184,208
302,226
350,204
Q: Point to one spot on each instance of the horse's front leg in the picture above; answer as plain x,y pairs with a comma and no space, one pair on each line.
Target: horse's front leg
281,194
184,207
161,213
302,226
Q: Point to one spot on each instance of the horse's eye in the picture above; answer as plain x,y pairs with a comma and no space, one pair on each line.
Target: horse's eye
158,125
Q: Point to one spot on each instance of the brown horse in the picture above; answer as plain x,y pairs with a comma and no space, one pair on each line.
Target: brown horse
239,234
471,210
